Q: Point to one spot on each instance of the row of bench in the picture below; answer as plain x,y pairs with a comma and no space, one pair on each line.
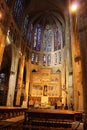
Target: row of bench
11,118
46,119
38,119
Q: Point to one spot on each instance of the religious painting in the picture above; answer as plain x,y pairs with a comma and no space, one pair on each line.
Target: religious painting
52,90
37,90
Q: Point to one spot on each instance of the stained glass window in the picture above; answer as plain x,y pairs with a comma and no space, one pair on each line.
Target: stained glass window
47,39
48,59
25,27
57,39
33,57
30,35
44,58
18,12
37,58
37,38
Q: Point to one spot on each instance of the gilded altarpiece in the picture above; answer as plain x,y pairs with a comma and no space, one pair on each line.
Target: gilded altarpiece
45,83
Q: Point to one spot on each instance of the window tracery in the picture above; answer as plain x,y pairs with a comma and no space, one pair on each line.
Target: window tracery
52,38
30,35
37,59
44,59
47,39
32,57
25,27
18,12
37,38
49,59
57,39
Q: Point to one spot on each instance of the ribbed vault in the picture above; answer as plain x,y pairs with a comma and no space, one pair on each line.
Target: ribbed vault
46,11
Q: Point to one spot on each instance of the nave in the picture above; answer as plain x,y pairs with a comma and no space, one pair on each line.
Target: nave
43,64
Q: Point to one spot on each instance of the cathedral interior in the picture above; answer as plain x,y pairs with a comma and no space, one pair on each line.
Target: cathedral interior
43,55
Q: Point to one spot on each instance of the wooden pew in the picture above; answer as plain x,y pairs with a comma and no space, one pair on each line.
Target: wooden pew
11,118
12,123
9,112
44,119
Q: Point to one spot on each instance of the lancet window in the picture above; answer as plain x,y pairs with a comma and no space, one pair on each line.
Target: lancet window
25,27
30,35
18,12
57,39
47,39
37,38
49,59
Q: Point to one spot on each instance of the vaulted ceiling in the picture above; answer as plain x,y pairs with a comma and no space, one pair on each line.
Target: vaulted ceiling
46,10
43,12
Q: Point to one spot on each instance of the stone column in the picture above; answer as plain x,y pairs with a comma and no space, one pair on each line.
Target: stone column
82,24
20,79
77,65
63,79
2,44
27,80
